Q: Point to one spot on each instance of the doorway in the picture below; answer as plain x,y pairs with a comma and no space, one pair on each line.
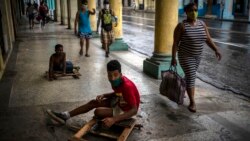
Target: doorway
4,54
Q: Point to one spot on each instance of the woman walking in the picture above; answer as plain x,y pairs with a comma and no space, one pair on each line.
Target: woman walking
189,39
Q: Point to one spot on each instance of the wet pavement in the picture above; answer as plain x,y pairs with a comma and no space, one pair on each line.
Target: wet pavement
25,94
232,38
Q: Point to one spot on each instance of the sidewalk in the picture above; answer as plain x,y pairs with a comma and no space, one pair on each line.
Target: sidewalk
25,94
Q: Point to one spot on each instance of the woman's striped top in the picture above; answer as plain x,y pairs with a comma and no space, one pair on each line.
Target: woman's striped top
193,39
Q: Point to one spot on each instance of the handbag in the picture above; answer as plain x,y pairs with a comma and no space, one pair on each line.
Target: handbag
173,86
39,17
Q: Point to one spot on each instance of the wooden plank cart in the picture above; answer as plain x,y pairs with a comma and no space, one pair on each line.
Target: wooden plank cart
75,74
124,128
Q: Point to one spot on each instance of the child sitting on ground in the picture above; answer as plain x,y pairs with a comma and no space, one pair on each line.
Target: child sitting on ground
58,63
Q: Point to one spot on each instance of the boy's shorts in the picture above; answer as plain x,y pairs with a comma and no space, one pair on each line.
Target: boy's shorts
69,67
85,35
115,107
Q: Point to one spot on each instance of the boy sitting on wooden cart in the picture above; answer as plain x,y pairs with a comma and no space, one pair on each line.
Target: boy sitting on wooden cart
58,66
121,104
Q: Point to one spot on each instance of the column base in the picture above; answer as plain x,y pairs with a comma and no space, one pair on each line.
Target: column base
118,45
157,63
95,35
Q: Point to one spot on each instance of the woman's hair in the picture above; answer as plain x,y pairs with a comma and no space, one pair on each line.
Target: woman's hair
58,46
114,65
190,5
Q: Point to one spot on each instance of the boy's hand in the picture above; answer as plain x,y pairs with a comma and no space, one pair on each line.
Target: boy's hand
99,98
108,122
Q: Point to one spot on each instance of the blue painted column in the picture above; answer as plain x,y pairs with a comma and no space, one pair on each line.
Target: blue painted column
201,8
181,7
249,11
228,10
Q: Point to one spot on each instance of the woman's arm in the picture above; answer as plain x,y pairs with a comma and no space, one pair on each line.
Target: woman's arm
177,36
211,44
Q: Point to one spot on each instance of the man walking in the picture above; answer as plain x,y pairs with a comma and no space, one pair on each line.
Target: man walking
106,16
84,29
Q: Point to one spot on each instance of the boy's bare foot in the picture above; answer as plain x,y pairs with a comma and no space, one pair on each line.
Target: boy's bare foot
86,55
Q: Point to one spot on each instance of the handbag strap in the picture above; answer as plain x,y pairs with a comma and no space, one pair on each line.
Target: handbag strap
173,68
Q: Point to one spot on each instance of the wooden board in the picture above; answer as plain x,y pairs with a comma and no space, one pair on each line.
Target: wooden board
59,74
84,130
125,127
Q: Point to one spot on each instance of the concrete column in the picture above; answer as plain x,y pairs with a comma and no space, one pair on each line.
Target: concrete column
136,3
69,14
209,7
57,10
73,9
166,19
101,4
63,4
125,3
8,31
79,4
91,6
146,4
249,11
228,10
119,44
1,64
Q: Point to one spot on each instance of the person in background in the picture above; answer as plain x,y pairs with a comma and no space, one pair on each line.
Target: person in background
58,63
30,14
43,11
105,17
84,29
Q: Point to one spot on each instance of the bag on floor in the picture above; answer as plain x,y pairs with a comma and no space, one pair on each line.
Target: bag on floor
173,86
39,17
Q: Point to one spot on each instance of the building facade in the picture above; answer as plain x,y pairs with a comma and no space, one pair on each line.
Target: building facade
12,11
221,9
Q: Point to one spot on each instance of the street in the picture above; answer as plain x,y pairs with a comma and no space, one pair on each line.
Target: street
232,38
26,94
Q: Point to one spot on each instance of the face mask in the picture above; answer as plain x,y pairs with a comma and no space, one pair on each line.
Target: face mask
116,82
85,6
106,6
192,15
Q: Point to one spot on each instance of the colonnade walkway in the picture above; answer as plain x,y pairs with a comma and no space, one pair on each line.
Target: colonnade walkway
25,94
